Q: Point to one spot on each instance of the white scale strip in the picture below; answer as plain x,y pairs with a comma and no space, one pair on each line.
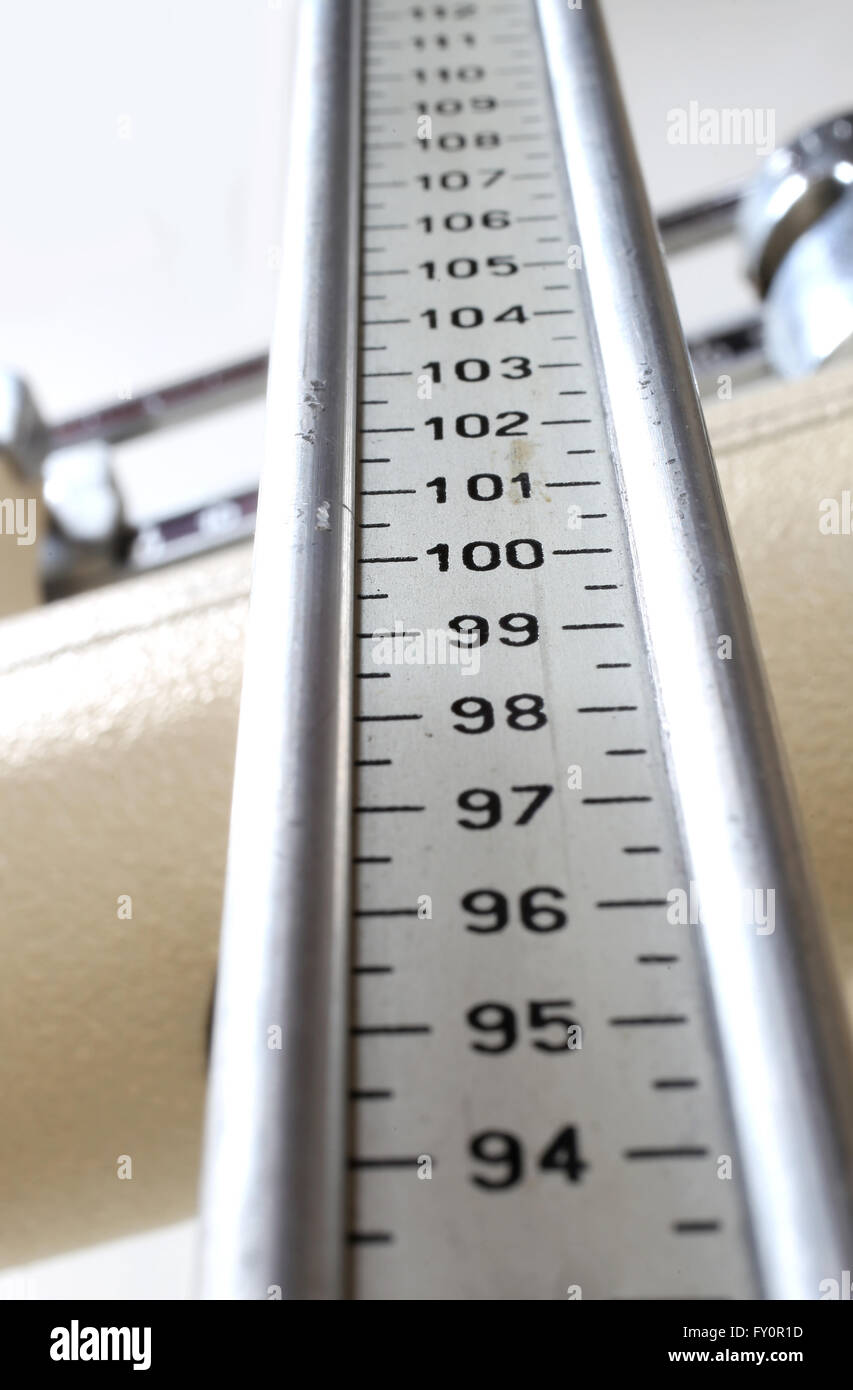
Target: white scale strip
487,492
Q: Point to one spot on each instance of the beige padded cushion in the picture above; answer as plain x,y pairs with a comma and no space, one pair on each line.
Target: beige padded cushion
118,721
19,564
119,716
780,452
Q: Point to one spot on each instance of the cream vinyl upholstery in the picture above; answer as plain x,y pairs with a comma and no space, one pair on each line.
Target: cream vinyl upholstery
19,574
119,716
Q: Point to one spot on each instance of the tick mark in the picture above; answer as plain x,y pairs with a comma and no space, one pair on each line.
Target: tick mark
681,1151
647,1020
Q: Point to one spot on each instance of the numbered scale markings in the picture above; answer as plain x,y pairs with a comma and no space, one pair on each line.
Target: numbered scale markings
532,1061
488,755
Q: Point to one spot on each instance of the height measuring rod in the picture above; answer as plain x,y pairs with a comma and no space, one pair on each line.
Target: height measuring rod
522,991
